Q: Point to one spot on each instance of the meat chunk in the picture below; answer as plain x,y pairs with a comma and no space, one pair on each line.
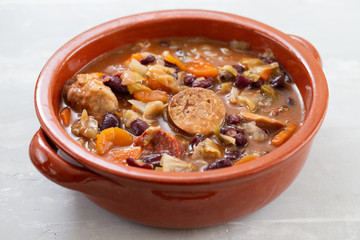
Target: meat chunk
88,92
129,116
245,98
256,133
86,126
155,140
196,110
173,164
206,149
153,109
262,121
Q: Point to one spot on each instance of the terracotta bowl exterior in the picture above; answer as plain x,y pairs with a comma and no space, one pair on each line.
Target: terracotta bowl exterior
176,200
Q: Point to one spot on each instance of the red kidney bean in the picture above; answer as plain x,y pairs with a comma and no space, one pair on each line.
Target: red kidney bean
239,68
147,60
240,140
138,127
277,82
268,60
231,131
287,77
208,82
154,159
131,162
242,82
114,82
258,83
233,155
188,80
233,119
171,65
110,120
156,163
290,101
196,139
219,163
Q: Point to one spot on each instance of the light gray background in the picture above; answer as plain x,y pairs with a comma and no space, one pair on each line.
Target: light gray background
322,203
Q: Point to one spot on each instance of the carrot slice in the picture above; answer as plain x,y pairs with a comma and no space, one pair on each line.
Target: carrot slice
146,96
171,59
65,116
201,68
283,135
153,84
111,137
136,56
245,159
265,73
120,155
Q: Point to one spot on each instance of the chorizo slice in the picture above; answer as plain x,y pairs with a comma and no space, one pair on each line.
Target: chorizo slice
154,140
196,110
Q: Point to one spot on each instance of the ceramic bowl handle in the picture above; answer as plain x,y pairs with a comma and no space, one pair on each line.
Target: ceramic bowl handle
58,170
308,46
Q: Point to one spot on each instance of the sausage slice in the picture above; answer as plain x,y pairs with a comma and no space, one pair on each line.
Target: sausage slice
196,110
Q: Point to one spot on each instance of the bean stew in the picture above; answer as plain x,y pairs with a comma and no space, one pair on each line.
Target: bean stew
182,104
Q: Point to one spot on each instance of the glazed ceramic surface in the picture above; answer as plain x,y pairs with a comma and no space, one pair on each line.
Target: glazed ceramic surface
176,200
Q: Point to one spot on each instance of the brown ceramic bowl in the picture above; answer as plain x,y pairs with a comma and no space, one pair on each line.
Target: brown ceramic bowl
176,200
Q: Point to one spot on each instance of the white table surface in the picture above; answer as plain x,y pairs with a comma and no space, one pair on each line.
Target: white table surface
322,203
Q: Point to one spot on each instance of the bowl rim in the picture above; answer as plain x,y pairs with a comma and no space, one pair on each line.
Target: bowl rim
50,124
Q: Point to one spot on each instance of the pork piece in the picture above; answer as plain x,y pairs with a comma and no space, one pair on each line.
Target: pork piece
130,116
88,92
86,126
245,98
256,133
153,108
262,121
206,149
173,164
154,140
197,110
